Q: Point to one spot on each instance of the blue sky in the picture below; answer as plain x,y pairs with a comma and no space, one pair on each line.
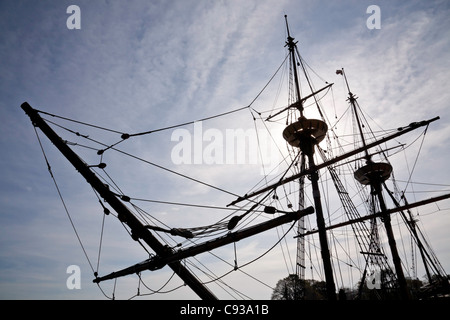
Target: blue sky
140,65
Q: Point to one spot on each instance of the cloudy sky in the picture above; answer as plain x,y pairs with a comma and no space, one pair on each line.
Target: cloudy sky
141,65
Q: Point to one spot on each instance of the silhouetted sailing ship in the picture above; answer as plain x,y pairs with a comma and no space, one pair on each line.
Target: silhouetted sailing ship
307,163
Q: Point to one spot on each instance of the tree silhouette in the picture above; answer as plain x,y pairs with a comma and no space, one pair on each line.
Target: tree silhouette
293,288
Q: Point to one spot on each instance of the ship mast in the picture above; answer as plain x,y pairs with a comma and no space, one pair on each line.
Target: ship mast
306,134
291,46
374,174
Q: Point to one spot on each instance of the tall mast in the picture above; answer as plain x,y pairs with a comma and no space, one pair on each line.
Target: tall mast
298,101
291,46
375,174
305,134
300,258
353,103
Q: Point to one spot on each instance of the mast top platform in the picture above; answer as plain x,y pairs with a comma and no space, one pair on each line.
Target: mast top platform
303,129
373,171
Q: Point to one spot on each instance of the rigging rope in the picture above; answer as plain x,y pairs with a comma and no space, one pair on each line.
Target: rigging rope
149,162
158,290
218,279
62,200
125,136
79,122
417,157
257,258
